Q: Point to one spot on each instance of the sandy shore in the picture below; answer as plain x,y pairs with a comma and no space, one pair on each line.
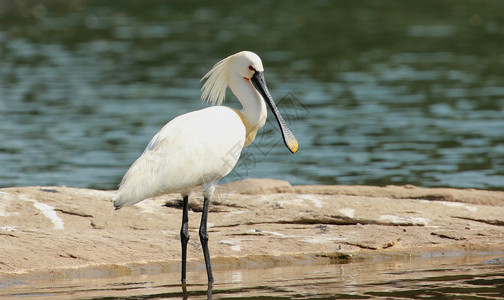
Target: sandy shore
61,231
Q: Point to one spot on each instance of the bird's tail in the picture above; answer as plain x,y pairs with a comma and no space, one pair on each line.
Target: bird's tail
120,200
116,200
128,195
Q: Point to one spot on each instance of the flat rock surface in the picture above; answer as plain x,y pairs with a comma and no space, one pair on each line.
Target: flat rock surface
61,230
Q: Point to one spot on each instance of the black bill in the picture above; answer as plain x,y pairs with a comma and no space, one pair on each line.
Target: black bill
288,137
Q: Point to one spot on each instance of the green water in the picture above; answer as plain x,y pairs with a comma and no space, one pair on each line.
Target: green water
377,92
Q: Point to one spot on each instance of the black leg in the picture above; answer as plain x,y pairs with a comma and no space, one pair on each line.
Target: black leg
184,291
209,291
184,235
204,238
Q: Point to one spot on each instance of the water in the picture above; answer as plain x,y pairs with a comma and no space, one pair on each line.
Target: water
378,92
446,276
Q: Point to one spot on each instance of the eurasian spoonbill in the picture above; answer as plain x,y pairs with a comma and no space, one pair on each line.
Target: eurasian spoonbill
199,148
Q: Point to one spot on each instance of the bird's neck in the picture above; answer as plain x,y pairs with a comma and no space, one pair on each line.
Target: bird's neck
253,112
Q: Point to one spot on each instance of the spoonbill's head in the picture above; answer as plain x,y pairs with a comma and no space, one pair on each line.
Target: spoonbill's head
249,66
246,64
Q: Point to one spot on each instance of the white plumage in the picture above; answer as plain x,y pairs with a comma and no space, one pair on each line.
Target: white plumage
199,148
181,156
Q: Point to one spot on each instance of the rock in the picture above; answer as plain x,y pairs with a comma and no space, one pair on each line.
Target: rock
258,186
408,192
57,231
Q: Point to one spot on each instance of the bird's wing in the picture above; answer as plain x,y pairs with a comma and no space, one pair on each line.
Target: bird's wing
192,149
167,130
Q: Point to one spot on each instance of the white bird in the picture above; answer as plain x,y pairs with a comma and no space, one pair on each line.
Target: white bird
200,147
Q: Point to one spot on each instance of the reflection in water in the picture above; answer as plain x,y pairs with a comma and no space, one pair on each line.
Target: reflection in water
389,92
185,294
395,278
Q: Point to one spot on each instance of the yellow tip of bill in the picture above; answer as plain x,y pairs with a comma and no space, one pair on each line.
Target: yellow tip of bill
293,146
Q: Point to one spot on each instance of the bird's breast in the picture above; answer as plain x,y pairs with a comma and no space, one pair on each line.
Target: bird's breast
250,128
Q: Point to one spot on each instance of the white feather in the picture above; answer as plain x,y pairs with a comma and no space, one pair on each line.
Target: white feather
214,89
178,159
200,147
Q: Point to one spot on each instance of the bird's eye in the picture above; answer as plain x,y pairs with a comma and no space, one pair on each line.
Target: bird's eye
251,68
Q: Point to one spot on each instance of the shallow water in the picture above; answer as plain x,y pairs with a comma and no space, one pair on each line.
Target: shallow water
440,276
376,92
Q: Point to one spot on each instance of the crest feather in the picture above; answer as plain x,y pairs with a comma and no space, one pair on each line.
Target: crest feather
214,89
